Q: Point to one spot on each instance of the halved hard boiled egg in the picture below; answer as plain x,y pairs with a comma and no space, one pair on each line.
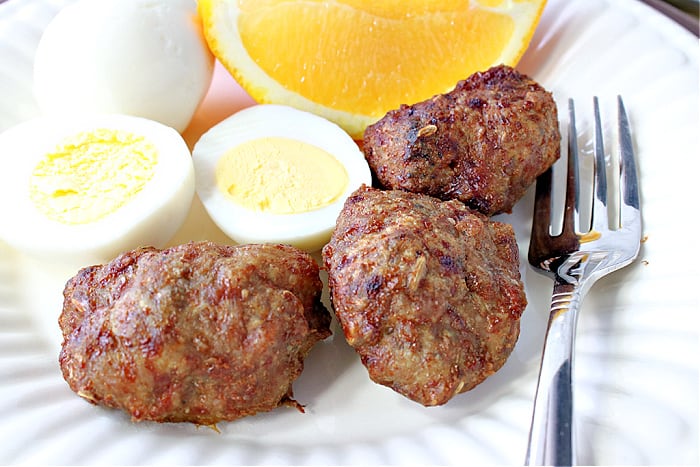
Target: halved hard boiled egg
84,189
274,174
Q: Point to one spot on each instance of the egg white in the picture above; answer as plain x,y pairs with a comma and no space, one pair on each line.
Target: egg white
146,58
150,218
307,230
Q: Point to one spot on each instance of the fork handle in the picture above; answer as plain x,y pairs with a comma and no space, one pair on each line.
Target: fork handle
551,435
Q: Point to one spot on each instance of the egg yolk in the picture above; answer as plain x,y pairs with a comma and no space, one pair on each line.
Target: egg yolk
280,175
92,174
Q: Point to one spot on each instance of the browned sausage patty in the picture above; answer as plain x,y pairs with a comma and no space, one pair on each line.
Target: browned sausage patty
197,332
483,143
428,292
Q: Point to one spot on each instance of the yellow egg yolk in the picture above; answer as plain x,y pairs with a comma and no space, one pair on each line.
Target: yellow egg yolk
92,174
280,175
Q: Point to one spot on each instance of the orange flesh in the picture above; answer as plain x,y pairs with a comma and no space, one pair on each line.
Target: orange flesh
441,34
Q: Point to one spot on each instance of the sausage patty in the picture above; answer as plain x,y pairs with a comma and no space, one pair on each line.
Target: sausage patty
197,332
484,143
428,292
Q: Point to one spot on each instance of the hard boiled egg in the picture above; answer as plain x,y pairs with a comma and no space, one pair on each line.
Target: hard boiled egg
85,189
146,58
275,174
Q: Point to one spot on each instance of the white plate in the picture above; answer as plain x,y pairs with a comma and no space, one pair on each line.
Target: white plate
637,352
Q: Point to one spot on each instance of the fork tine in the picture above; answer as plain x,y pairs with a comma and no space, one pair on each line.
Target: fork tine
600,219
542,241
541,215
571,204
629,185
543,202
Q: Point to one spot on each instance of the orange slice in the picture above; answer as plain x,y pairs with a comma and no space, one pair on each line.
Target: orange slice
351,61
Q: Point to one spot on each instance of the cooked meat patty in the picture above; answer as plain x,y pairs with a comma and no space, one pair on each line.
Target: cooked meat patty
197,332
483,143
428,292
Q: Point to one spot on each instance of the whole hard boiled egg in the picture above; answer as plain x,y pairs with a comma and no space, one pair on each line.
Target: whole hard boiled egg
274,174
84,189
146,58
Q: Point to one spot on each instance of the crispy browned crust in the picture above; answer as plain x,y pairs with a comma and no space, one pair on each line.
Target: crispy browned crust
483,143
197,332
427,292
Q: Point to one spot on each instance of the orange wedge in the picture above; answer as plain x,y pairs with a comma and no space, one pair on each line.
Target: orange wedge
351,61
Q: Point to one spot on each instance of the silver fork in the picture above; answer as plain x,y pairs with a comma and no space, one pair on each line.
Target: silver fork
575,259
